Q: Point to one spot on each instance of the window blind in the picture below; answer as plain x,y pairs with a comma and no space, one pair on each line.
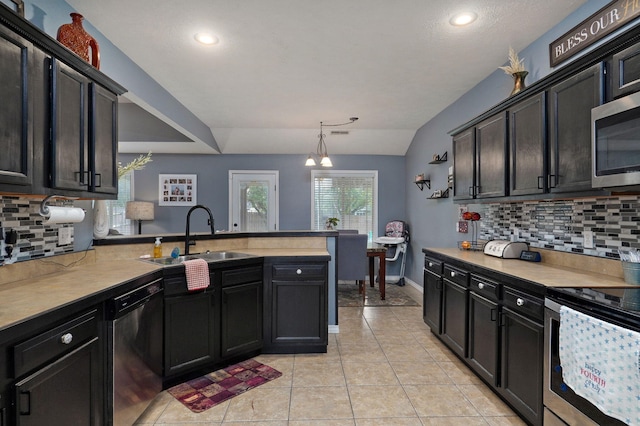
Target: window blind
348,196
116,208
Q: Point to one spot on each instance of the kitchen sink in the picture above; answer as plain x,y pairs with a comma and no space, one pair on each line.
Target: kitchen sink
212,256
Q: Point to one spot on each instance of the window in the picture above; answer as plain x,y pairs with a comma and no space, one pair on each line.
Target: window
351,196
116,208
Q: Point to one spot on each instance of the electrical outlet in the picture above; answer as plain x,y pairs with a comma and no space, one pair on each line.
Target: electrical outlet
64,236
588,239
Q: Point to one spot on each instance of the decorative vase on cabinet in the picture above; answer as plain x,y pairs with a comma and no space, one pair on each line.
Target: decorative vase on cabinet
74,37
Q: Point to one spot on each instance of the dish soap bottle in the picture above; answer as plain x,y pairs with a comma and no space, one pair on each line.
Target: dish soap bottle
157,248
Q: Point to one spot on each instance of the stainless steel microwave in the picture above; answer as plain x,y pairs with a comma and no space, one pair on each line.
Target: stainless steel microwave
615,143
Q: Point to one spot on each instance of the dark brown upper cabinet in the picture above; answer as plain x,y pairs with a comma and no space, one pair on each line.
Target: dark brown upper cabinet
527,140
570,103
625,72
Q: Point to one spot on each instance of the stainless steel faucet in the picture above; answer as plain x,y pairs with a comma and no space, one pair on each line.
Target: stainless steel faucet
186,233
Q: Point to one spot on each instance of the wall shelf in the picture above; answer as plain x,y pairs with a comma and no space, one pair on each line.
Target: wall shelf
439,159
443,194
422,183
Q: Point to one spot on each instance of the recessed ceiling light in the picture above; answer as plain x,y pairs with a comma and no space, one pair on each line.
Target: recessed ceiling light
464,18
206,38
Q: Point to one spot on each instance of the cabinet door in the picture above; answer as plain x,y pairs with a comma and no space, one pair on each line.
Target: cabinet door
104,140
625,75
570,104
241,320
491,157
527,138
189,332
67,392
69,128
454,317
483,337
16,110
299,313
464,165
432,302
522,355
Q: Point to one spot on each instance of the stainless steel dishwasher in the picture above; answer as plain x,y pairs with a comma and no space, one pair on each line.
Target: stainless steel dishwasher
134,371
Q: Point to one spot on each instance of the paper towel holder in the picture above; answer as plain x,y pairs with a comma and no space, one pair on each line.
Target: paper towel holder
44,208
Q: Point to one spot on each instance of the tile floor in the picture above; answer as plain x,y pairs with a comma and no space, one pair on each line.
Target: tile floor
383,368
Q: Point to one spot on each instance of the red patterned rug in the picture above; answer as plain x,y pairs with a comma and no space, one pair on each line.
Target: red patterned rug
207,391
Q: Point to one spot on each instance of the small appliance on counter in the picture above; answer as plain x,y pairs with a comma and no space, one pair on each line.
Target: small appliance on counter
505,249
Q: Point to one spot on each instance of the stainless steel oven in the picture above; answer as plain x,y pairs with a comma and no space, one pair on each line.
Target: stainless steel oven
610,305
615,141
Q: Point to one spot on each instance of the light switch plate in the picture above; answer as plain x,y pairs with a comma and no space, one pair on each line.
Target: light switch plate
588,239
64,236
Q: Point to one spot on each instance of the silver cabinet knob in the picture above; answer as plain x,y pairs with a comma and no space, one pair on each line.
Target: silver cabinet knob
480,286
520,301
430,264
299,271
65,339
453,274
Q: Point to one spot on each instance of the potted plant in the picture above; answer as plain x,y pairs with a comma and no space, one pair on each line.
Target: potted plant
331,223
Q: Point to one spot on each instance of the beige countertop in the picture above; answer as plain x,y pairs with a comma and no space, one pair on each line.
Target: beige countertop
539,272
28,297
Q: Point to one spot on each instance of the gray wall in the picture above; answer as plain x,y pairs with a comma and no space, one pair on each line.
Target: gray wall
295,186
433,221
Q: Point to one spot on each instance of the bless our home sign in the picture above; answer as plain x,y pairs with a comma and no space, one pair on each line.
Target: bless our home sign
592,29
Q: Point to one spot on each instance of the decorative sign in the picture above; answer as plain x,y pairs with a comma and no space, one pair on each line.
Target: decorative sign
177,190
598,25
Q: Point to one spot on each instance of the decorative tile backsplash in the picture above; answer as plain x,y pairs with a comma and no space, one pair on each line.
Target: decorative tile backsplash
559,225
35,239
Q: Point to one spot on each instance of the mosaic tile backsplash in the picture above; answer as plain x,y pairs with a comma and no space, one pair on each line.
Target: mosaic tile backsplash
559,225
35,239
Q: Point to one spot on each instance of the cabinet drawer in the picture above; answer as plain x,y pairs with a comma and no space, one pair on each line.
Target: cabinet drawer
51,344
300,271
523,303
456,275
485,287
241,275
433,265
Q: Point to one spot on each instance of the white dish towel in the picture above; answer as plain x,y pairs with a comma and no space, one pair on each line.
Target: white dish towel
601,363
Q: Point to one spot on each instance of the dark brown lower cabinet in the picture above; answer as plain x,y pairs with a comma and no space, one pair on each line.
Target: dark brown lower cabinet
454,319
432,302
484,337
522,352
66,392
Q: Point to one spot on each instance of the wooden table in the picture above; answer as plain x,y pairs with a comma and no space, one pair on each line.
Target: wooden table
376,250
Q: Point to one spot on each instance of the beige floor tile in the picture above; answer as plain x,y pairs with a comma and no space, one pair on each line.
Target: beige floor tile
259,404
369,373
441,353
485,401
395,421
395,337
359,337
349,312
377,312
331,402
155,409
439,400
282,363
505,421
324,422
459,373
380,402
453,421
410,352
362,353
385,324
420,373
332,355
323,374
347,324
261,423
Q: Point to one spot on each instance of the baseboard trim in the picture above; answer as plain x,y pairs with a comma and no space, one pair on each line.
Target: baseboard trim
334,329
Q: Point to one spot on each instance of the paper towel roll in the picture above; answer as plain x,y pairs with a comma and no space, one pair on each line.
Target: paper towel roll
64,215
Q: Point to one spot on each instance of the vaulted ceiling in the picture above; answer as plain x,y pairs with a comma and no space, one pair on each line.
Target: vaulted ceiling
282,66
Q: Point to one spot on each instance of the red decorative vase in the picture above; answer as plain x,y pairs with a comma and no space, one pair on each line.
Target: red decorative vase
74,37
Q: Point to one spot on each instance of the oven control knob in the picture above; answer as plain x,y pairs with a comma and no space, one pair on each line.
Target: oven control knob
520,301
65,339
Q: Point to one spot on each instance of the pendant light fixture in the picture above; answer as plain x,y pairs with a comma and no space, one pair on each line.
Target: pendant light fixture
321,150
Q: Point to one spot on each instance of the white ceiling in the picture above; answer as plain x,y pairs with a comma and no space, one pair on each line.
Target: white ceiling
282,66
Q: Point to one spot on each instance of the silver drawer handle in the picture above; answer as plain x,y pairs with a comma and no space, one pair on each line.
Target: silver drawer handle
453,274
520,301
430,264
299,271
480,286
65,339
